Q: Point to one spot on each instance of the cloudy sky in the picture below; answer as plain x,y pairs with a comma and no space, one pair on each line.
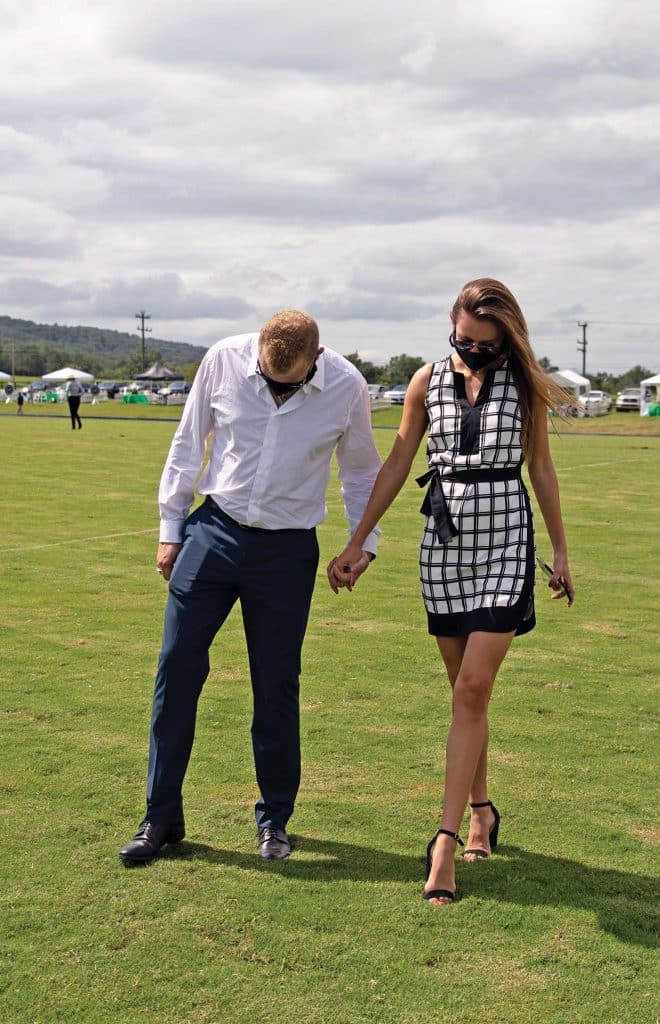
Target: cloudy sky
215,160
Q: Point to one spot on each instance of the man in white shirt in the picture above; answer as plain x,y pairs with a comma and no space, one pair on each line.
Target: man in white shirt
275,407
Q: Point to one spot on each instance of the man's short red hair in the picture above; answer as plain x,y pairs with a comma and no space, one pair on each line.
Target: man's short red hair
286,337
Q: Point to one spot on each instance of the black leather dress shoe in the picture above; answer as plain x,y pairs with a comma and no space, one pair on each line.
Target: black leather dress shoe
273,844
148,840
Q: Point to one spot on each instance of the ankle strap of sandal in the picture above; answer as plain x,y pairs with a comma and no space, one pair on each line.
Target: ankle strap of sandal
486,803
454,835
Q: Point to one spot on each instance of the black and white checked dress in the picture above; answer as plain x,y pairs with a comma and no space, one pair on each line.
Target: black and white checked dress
483,577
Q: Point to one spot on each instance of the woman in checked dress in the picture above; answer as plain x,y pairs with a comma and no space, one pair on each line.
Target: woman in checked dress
485,409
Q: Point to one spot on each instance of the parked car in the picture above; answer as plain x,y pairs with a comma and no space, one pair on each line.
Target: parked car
396,394
628,400
111,387
175,387
376,391
595,403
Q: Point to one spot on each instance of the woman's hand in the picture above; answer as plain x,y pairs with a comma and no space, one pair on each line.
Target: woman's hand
345,569
560,581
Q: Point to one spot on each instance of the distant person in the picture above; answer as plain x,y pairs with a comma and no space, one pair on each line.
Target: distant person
74,392
485,410
20,398
275,407
645,400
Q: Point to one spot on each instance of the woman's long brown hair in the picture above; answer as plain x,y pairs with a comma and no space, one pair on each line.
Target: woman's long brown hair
488,299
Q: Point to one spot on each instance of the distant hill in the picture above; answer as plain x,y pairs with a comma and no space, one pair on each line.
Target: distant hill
40,348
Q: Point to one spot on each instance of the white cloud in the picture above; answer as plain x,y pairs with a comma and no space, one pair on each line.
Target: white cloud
539,29
170,296
167,293
218,160
32,229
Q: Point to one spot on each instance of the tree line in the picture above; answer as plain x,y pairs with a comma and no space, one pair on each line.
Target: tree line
400,369
34,349
118,356
34,361
611,382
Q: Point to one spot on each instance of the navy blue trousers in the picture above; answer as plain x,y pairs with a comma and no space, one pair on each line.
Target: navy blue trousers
272,574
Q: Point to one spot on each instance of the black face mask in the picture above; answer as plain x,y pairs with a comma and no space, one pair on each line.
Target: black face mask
475,360
279,387
486,353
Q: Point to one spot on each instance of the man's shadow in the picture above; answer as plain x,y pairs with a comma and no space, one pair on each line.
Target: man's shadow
625,904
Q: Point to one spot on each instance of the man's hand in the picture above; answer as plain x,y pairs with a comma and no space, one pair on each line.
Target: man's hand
345,569
165,558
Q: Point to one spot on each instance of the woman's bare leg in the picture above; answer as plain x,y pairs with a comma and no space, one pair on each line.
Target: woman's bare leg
467,741
482,819
452,649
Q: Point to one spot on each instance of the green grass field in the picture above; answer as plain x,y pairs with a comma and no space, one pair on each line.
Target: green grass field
559,927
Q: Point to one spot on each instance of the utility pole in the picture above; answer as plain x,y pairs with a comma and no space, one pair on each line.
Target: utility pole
142,316
582,346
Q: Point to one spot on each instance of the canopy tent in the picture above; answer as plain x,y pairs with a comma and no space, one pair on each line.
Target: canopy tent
646,394
158,372
572,381
66,373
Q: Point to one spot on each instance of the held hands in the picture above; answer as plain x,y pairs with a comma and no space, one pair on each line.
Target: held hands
166,556
345,569
560,581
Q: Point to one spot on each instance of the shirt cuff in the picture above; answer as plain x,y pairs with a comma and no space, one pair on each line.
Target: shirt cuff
171,531
371,543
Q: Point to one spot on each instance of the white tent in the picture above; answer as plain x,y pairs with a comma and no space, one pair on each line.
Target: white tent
4,377
646,393
66,373
572,381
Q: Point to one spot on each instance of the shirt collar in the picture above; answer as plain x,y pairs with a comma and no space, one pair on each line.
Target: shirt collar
318,380
254,356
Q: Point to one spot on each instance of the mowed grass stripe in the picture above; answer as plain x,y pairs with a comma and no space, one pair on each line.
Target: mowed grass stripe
559,926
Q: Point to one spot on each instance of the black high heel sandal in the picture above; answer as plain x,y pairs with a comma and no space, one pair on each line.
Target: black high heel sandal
442,894
492,835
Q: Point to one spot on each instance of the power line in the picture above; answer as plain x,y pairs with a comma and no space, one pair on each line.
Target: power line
622,323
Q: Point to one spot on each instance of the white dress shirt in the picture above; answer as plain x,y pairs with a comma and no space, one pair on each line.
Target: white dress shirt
269,466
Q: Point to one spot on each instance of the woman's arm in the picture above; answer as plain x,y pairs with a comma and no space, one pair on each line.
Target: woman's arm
344,570
546,488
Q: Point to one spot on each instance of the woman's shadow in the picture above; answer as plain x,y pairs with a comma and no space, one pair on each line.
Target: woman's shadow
625,904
